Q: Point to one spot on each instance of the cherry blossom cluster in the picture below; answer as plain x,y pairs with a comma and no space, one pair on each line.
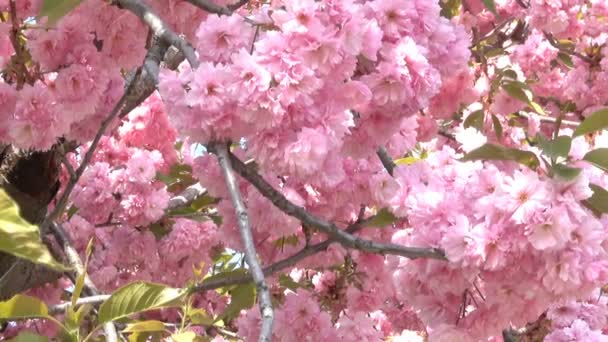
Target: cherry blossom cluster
310,91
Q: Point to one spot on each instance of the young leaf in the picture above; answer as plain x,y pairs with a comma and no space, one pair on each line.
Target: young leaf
242,297
187,336
19,238
26,336
200,317
594,122
491,6
598,202
21,306
382,219
56,9
517,90
497,126
598,157
475,120
137,297
495,152
145,326
80,280
558,147
566,172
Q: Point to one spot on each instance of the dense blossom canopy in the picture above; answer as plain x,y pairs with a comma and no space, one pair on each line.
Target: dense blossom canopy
479,104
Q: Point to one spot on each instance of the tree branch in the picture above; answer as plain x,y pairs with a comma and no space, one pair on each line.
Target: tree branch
221,150
329,228
186,197
160,29
386,160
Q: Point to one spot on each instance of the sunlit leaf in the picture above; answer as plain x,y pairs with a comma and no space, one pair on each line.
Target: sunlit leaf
27,336
145,326
79,285
19,238
382,219
518,90
21,306
200,317
593,123
137,297
450,8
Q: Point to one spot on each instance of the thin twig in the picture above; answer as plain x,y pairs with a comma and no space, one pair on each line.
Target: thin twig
329,228
160,29
61,203
75,262
386,160
556,45
265,303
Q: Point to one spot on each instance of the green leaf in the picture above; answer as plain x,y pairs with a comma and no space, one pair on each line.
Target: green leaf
566,172
558,147
21,306
137,297
382,219
496,152
406,161
242,297
73,210
510,73
497,126
19,238
566,59
518,90
145,326
187,336
537,108
287,282
491,6
450,8
226,275
598,157
79,285
56,9
200,317
475,120
598,202
26,336
594,122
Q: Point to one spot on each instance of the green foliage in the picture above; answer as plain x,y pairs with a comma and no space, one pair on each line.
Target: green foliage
144,326
450,8
565,172
26,336
242,297
382,219
491,6
598,157
595,122
496,152
19,238
56,9
558,147
598,203
497,126
138,297
27,307
21,306
475,120
521,91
